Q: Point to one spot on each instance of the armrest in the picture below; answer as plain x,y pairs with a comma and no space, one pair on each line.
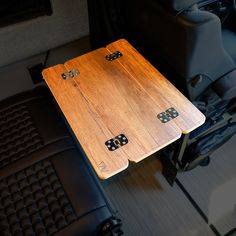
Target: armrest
225,87
203,53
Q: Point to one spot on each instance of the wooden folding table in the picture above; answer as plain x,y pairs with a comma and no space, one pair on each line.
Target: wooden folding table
119,106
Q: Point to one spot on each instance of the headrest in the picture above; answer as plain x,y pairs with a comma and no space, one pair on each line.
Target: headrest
179,5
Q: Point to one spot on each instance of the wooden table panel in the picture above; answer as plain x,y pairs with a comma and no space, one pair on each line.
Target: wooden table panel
120,102
158,87
123,96
78,113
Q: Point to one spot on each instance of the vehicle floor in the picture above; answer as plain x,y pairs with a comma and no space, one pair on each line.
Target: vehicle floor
201,203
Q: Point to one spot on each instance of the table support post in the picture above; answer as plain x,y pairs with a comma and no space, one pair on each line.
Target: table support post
173,163
169,171
179,151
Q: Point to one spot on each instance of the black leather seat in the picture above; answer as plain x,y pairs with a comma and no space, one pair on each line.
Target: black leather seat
229,42
183,40
46,186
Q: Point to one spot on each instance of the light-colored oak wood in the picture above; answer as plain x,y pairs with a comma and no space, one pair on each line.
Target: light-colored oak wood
123,96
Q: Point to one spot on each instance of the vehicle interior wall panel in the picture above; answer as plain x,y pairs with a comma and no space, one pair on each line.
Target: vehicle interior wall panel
15,78
68,22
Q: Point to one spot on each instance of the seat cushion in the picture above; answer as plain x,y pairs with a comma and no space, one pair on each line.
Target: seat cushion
28,122
46,186
229,42
57,195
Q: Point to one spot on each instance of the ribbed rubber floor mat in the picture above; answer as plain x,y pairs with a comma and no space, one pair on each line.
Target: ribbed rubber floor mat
33,202
18,134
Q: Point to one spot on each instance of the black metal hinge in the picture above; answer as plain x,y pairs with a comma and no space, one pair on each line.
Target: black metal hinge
167,115
70,74
118,141
113,56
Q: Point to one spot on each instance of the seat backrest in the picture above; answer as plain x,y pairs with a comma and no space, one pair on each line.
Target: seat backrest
179,5
189,40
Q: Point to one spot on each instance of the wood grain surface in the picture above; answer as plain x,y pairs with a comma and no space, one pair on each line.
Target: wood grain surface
123,96
158,87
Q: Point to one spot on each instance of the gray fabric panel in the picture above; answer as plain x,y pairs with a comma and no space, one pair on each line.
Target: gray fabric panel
68,22
15,78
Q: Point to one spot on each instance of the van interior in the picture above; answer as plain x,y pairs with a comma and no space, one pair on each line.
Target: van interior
47,184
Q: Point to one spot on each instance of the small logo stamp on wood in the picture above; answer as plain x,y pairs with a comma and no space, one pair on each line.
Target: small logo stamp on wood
102,167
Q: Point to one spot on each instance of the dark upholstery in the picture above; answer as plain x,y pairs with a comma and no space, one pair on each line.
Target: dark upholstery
46,187
179,5
24,122
182,42
229,42
33,200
